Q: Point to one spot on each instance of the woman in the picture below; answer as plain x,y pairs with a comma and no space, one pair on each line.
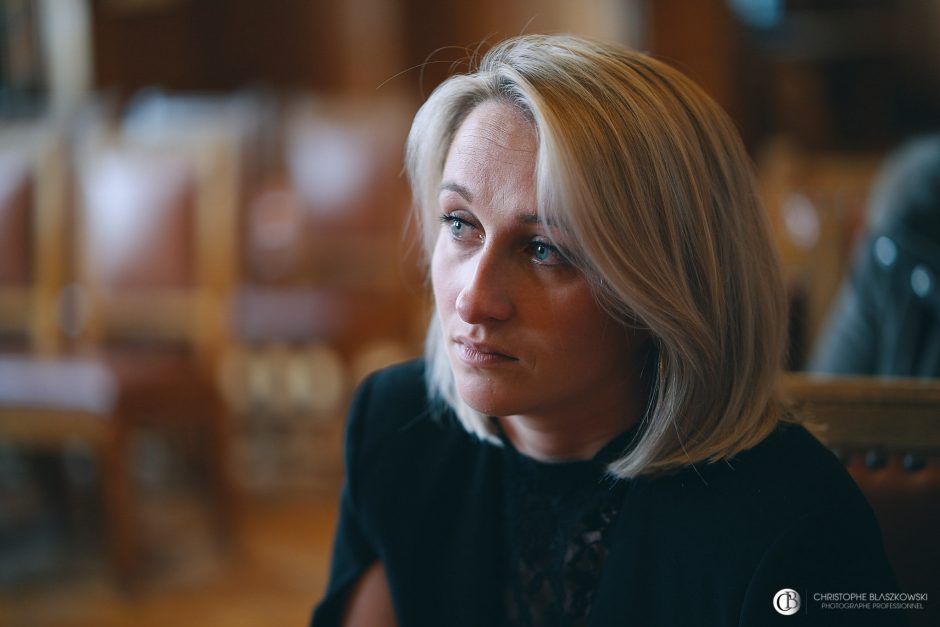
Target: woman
594,435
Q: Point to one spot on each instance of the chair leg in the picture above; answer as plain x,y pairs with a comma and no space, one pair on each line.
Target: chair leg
226,509
120,513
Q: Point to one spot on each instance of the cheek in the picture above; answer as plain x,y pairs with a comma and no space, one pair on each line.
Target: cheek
591,329
441,281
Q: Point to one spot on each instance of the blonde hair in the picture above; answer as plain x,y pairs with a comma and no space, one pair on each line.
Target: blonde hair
651,183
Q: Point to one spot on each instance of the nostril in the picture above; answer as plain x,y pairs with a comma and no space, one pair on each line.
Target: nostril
468,306
462,305
482,301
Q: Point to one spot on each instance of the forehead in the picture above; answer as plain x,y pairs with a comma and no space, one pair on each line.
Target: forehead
495,146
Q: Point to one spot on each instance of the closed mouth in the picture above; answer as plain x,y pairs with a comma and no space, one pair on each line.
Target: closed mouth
480,352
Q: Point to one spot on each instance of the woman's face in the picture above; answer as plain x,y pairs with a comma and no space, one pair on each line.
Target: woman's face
523,332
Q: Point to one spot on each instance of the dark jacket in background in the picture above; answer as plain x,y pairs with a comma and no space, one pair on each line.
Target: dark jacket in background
887,318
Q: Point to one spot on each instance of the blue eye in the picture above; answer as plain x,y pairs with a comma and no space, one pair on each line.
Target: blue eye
457,226
541,252
546,254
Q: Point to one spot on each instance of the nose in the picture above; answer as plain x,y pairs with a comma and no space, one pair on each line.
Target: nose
485,295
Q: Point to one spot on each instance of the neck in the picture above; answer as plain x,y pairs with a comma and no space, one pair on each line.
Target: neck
575,433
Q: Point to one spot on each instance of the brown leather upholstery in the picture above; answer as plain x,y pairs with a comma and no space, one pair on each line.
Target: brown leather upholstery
137,220
887,430
906,501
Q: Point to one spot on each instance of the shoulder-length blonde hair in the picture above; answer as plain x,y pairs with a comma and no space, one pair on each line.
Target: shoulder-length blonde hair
650,182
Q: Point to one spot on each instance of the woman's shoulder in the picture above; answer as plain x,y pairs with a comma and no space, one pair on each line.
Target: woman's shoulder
398,379
391,421
403,457
788,474
783,514
794,467
390,402
395,391
761,493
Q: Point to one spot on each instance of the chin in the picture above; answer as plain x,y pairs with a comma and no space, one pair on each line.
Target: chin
488,401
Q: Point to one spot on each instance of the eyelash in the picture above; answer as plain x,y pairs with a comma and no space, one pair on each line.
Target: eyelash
451,217
562,260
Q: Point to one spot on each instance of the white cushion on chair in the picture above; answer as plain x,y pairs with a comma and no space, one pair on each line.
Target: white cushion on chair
78,384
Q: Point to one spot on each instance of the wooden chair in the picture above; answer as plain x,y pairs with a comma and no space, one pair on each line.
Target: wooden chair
32,190
153,231
887,431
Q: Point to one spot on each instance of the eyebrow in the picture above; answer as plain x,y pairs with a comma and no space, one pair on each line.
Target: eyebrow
457,188
463,192
529,218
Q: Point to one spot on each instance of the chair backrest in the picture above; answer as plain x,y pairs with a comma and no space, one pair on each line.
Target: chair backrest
32,200
887,431
889,413
154,240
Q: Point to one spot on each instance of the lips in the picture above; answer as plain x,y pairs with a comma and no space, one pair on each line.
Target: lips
480,353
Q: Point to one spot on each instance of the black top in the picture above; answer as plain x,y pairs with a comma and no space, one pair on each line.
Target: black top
557,528
710,545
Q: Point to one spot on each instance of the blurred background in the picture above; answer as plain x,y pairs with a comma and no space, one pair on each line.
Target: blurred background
204,247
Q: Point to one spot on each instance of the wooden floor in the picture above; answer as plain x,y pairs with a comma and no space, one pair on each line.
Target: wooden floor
273,577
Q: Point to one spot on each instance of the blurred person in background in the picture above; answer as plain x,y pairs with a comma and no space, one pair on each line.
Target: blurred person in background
594,435
887,318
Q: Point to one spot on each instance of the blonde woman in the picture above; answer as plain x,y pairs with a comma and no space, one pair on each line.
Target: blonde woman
594,435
